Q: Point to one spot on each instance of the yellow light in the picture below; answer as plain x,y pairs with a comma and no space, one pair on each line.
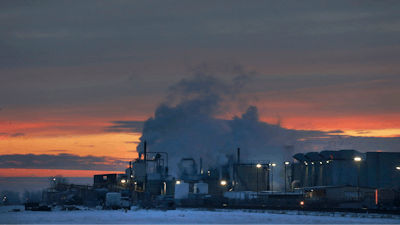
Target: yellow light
327,161
398,167
320,163
357,159
258,165
273,164
123,181
223,182
286,163
178,182
302,203
312,163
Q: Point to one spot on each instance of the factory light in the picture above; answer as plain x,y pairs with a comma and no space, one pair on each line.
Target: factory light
258,165
123,181
302,203
306,163
223,182
398,167
357,159
312,163
327,161
178,182
286,163
273,164
320,163
131,176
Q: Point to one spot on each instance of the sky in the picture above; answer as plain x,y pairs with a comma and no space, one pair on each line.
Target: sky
79,79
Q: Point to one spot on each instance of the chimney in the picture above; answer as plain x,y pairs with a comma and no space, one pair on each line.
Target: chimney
201,165
145,163
145,151
238,156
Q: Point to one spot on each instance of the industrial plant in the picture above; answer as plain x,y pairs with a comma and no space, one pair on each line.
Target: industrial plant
327,179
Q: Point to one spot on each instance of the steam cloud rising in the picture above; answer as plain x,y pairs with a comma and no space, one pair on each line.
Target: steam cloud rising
185,125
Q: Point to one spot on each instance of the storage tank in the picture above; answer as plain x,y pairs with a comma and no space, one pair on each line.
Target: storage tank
201,188
181,190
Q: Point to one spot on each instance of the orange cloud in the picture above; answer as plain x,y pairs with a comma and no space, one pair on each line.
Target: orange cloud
50,173
117,145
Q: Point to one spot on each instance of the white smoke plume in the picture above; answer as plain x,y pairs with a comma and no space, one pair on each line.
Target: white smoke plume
186,124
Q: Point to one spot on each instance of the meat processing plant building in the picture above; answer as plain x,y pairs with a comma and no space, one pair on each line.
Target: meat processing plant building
347,167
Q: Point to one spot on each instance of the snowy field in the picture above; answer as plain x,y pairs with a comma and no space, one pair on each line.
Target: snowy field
186,217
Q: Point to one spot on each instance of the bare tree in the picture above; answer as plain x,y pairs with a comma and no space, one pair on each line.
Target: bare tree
32,196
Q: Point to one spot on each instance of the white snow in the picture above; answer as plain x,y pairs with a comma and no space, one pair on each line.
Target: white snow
190,216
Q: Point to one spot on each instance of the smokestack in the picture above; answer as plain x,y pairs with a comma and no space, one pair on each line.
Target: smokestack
130,164
145,163
238,157
201,165
145,151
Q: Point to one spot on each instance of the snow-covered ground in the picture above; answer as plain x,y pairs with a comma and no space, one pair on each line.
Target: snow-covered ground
186,216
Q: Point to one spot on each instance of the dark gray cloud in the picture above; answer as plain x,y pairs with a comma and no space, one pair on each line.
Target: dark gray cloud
132,142
74,32
63,46
17,135
335,132
125,126
62,161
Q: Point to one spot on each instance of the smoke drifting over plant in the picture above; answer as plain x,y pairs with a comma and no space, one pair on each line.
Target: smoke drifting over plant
185,125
